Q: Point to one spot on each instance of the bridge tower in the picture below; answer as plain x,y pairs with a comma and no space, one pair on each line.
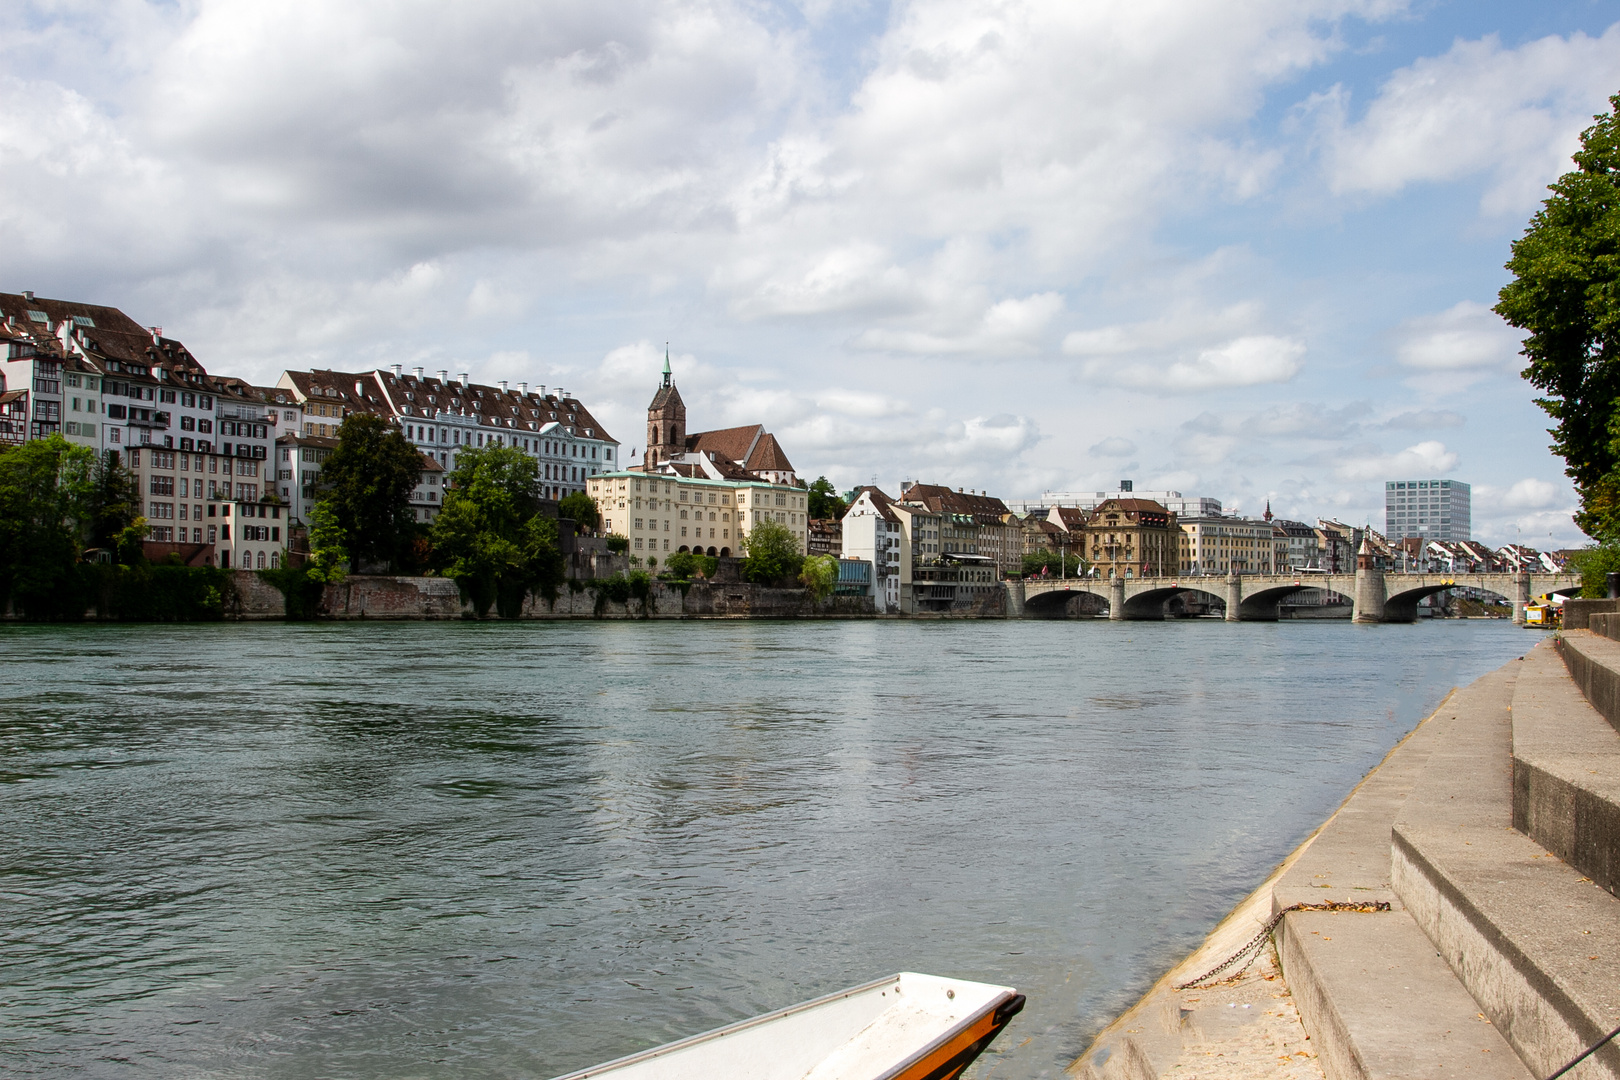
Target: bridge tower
1370,591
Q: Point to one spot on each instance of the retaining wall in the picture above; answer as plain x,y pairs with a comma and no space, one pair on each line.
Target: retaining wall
407,598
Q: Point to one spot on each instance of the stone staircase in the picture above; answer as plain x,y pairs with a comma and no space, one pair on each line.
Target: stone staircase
1493,833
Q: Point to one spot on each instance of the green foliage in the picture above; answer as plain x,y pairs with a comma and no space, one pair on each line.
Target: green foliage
148,592
819,575
114,505
368,482
773,554
582,509
1067,564
681,564
617,544
824,500
1594,564
300,589
46,510
707,565
491,536
1566,296
328,547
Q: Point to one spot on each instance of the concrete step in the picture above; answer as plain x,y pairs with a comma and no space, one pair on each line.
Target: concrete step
1594,663
1379,1002
1371,991
1531,938
1348,860
1566,760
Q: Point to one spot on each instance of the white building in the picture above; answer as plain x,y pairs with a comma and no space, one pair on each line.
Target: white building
872,532
1429,509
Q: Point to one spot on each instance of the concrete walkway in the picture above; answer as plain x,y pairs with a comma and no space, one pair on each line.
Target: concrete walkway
1464,946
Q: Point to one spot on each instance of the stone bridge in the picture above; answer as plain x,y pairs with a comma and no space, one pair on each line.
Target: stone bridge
1376,596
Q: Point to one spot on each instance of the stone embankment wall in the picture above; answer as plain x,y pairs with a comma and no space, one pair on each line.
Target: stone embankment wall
384,597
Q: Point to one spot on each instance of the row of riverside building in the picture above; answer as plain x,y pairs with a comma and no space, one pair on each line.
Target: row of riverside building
227,470
932,548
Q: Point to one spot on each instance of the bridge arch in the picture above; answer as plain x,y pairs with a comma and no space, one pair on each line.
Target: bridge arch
1262,604
1054,603
1150,603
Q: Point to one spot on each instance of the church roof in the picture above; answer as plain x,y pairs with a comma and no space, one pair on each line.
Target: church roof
768,455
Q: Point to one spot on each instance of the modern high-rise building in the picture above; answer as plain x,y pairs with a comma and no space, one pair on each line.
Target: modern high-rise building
1431,509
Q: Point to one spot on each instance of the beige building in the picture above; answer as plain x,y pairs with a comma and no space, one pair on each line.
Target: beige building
662,513
1132,538
1225,545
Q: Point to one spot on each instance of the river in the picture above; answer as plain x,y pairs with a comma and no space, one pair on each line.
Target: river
512,850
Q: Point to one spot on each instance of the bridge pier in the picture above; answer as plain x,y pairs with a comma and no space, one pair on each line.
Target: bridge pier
1521,597
1116,598
1234,597
1015,598
1370,595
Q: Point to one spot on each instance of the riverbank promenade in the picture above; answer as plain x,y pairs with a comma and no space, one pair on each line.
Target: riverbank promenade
1456,917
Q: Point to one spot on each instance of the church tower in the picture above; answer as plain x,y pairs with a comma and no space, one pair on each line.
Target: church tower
666,423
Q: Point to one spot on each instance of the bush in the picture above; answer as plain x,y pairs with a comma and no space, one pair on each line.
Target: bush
681,564
617,544
300,589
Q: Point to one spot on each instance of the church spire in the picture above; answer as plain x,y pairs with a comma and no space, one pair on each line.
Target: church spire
666,364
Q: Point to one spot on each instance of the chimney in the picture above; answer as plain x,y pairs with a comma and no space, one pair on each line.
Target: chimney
28,294
503,387
523,388
444,376
399,370
542,389
463,377
417,372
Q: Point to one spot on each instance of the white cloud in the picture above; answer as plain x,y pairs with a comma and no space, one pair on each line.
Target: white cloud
1114,446
1010,327
1465,337
1511,114
1245,361
1424,420
1429,458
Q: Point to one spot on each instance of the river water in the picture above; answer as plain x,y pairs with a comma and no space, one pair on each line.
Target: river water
513,850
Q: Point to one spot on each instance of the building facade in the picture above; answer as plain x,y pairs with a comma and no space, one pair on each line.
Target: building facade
665,512
1132,538
872,533
1430,509
1233,545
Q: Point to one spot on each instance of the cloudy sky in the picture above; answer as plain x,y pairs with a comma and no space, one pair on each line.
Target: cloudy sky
1240,249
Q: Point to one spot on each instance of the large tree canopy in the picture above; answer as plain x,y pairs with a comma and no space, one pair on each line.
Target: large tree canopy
367,484
491,536
1566,297
47,499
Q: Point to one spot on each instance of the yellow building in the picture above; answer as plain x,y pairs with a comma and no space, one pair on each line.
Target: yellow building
662,513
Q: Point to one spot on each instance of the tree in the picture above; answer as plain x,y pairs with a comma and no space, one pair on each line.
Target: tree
114,503
1565,294
681,564
582,509
491,537
819,575
328,546
368,482
772,553
824,500
46,496
1066,564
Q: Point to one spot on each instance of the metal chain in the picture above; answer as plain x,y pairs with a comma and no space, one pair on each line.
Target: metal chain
1252,949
